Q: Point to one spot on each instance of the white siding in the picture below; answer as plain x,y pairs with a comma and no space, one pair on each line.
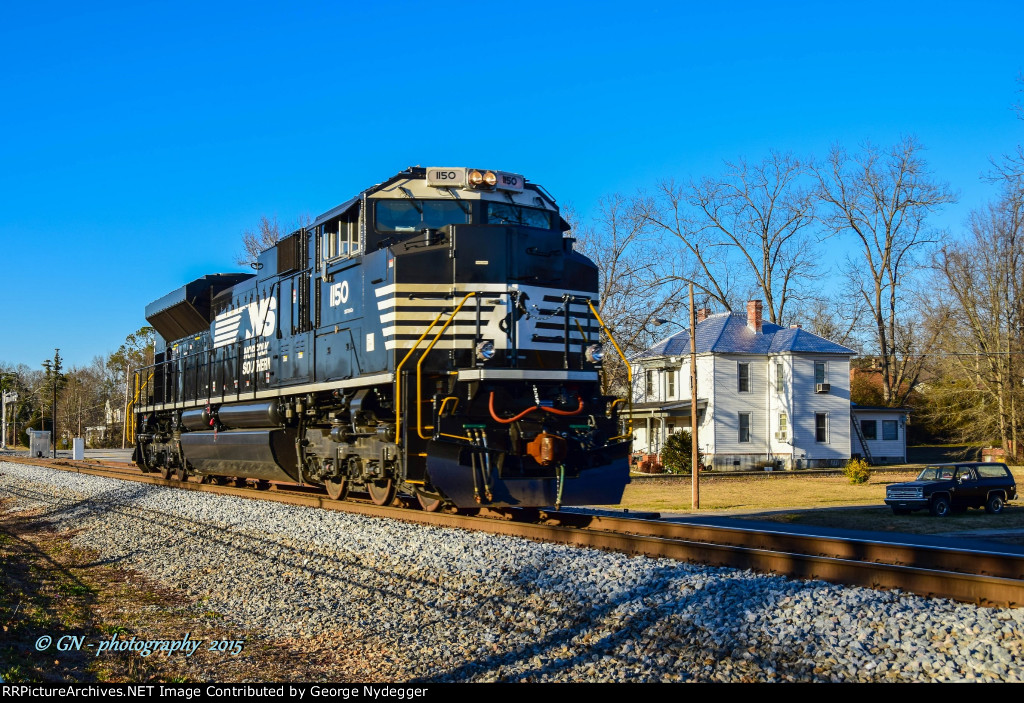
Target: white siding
729,403
806,403
780,401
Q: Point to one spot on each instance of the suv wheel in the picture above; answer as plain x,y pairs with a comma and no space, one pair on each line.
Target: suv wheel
994,505
940,506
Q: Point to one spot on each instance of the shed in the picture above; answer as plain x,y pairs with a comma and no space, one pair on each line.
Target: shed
879,434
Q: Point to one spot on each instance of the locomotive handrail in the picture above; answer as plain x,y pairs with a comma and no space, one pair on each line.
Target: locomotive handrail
423,356
398,368
629,371
129,416
197,361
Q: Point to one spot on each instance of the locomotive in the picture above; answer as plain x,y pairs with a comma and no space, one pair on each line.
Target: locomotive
435,337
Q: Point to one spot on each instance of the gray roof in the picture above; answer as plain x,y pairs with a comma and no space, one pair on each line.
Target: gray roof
727,333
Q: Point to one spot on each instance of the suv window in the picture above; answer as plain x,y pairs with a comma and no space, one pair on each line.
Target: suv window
964,473
993,471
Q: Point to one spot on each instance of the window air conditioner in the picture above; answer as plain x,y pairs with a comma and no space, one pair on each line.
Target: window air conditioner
822,388
781,436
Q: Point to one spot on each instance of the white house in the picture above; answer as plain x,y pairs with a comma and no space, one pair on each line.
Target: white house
767,396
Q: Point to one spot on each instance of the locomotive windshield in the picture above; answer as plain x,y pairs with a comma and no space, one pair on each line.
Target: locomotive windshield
416,215
509,214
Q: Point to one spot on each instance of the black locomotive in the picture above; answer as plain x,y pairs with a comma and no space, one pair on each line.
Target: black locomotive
434,336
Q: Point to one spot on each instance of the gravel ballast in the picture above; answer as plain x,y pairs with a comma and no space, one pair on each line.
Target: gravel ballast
439,604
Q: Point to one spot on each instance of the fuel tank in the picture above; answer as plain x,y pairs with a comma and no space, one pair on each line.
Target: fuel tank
260,454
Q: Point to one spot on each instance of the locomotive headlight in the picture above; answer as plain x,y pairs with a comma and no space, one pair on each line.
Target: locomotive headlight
595,353
483,179
485,351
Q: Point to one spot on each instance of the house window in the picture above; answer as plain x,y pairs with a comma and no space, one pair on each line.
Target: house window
744,427
821,427
780,377
869,428
744,376
889,429
650,384
820,372
783,424
671,384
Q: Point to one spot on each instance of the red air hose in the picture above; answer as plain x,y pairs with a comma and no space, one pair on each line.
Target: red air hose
577,411
510,420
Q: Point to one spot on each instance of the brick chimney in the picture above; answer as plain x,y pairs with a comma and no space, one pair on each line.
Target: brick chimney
702,314
754,316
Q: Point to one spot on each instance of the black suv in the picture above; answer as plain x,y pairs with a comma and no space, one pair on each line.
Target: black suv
944,487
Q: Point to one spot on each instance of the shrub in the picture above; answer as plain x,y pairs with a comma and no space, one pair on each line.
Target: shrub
675,455
857,471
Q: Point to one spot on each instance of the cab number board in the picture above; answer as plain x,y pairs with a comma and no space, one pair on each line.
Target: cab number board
446,177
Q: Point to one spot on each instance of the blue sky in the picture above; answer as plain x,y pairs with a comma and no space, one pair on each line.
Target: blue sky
140,139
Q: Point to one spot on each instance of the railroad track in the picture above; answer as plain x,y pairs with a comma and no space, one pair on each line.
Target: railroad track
985,578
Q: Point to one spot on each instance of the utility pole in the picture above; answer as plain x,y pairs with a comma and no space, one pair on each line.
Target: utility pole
124,419
54,367
694,456
7,398
48,365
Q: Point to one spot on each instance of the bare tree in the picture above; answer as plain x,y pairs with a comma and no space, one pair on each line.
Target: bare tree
255,242
836,318
984,276
703,259
882,200
630,275
750,225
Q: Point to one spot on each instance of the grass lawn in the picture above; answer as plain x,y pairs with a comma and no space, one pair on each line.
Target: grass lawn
813,500
753,493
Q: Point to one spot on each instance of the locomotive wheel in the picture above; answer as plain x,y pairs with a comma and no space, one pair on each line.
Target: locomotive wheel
337,490
429,502
381,492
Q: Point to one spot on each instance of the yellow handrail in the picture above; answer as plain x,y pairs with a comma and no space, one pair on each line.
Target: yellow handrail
398,373
419,366
629,370
129,416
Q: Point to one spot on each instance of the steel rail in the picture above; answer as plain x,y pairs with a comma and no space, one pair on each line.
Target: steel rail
922,569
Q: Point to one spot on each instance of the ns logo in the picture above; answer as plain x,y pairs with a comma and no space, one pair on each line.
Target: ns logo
257,319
